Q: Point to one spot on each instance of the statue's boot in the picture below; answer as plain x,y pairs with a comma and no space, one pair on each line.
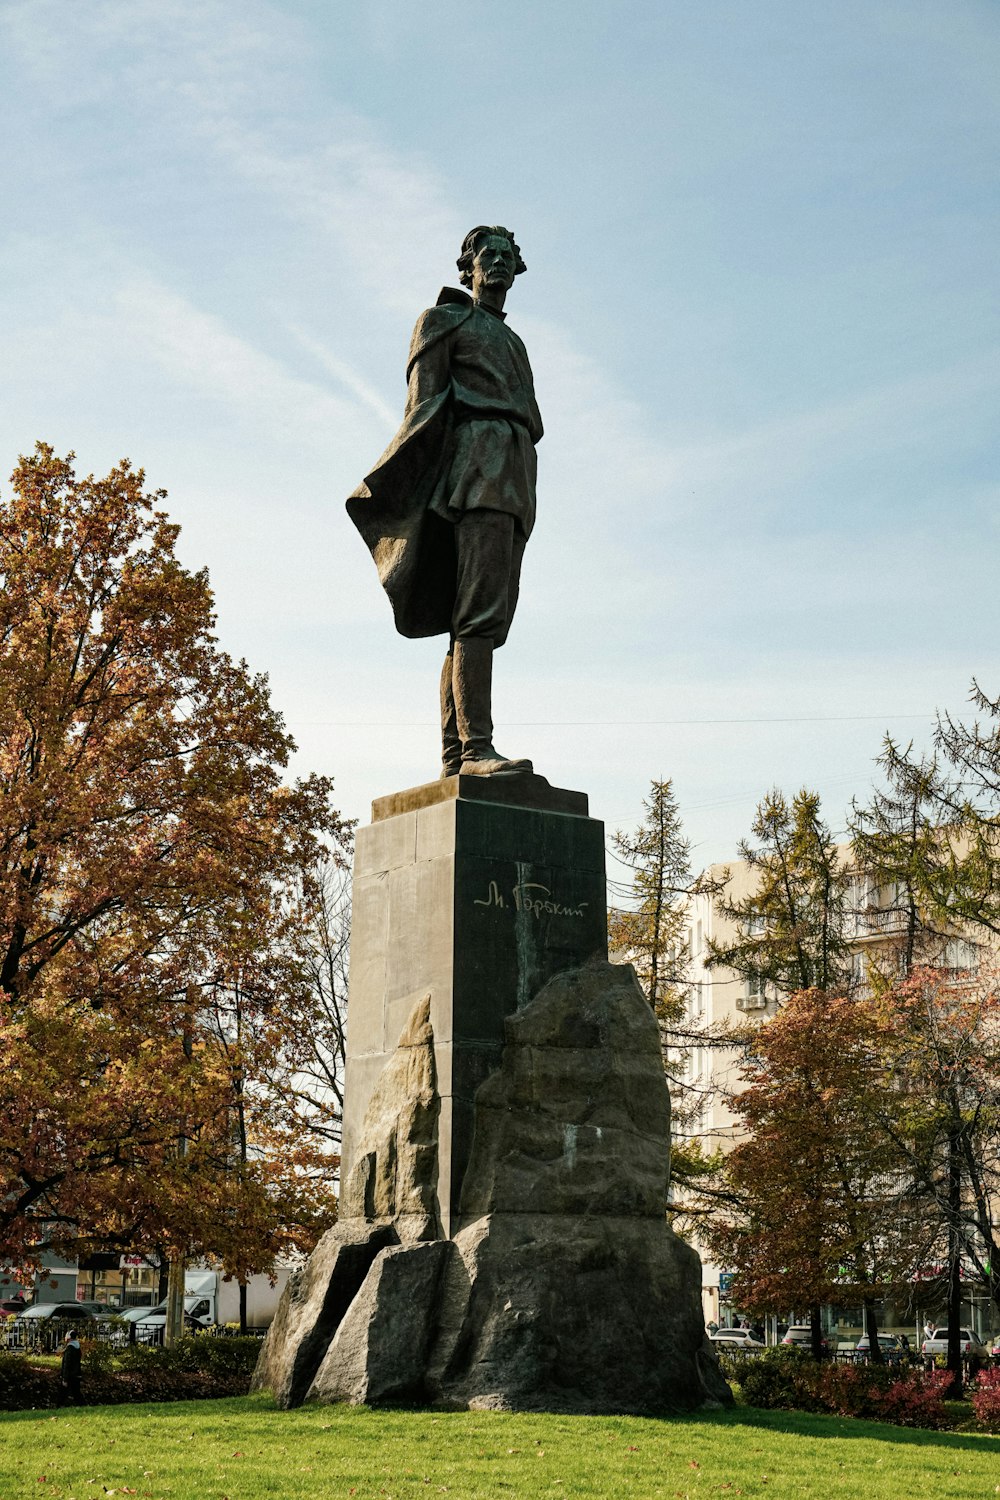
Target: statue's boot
472,685
451,740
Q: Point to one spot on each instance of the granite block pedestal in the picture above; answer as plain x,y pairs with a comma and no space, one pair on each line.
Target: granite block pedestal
472,891
503,1237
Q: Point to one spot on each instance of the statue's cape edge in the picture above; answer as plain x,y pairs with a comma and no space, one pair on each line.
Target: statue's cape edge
413,549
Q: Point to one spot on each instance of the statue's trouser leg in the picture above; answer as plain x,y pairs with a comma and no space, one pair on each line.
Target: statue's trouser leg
489,548
451,740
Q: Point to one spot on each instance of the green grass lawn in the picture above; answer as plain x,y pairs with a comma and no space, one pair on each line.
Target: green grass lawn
242,1449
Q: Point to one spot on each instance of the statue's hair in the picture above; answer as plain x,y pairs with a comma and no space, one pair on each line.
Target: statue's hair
472,242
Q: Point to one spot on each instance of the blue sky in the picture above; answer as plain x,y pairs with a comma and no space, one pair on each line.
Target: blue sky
761,306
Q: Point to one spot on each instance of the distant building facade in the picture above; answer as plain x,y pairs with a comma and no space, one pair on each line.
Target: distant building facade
875,926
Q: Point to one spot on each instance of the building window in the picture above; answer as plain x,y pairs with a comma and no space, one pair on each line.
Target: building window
755,994
960,955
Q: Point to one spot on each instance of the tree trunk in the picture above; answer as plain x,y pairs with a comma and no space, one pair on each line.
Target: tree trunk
162,1275
173,1327
954,1264
241,1126
815,1331
871,1332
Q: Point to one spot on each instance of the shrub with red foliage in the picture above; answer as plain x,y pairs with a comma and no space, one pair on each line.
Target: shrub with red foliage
916,1400
985,1398
908,1398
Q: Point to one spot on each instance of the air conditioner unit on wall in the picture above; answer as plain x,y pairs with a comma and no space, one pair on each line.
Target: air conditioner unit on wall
751,1002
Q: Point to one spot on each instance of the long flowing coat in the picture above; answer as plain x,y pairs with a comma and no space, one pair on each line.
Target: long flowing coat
411,542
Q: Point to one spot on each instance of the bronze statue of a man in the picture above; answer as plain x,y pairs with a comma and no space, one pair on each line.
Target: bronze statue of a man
449,506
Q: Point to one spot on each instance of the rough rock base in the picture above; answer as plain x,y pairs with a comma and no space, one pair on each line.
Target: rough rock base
565,1288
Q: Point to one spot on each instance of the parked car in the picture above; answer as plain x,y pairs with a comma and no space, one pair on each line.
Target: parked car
79,1312
153,1328
735,1338
12,1307
972,1347
137,1314
799,1336
150,1322
43,1326
894,1351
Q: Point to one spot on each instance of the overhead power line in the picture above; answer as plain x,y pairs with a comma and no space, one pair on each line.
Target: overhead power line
612,723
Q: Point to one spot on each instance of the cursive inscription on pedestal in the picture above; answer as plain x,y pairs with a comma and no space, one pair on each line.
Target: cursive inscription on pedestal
531,897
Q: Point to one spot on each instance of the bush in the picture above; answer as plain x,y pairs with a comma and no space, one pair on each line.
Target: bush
196,1367
907,1398
218,1356
985,1398
200,1352
96,1357
917,1399
23,1385
779,1380
791,1381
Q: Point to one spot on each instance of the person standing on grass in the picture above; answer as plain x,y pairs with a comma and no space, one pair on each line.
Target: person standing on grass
69,1371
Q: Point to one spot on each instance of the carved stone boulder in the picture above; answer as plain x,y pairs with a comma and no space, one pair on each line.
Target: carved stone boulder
564,1288
313,1306
395,1172
379,1353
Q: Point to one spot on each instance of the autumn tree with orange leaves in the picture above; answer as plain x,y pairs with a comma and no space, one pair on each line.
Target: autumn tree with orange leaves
817,1191
940,1044
147,845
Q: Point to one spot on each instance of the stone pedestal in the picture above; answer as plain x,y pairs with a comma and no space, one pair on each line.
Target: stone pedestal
503,1237
564,1288
472,891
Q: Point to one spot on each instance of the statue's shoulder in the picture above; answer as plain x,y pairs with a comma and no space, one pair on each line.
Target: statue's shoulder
451,310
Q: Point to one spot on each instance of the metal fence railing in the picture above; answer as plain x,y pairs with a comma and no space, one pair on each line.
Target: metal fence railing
20,1335
913,1361
47,1335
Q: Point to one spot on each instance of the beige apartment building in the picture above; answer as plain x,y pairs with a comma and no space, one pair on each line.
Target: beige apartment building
875,925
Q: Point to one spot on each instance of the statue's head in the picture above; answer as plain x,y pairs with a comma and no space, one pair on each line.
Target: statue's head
490,257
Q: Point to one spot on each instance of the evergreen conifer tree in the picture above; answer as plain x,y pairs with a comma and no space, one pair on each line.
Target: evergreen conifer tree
790,929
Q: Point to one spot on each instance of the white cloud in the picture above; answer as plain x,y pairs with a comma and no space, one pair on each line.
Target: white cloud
199,352
894,415
214,75
100,49
348,377
387,214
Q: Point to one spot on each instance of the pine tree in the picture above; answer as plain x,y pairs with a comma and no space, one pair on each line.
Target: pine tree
933,835
790,929
966,887
901,851
651,931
